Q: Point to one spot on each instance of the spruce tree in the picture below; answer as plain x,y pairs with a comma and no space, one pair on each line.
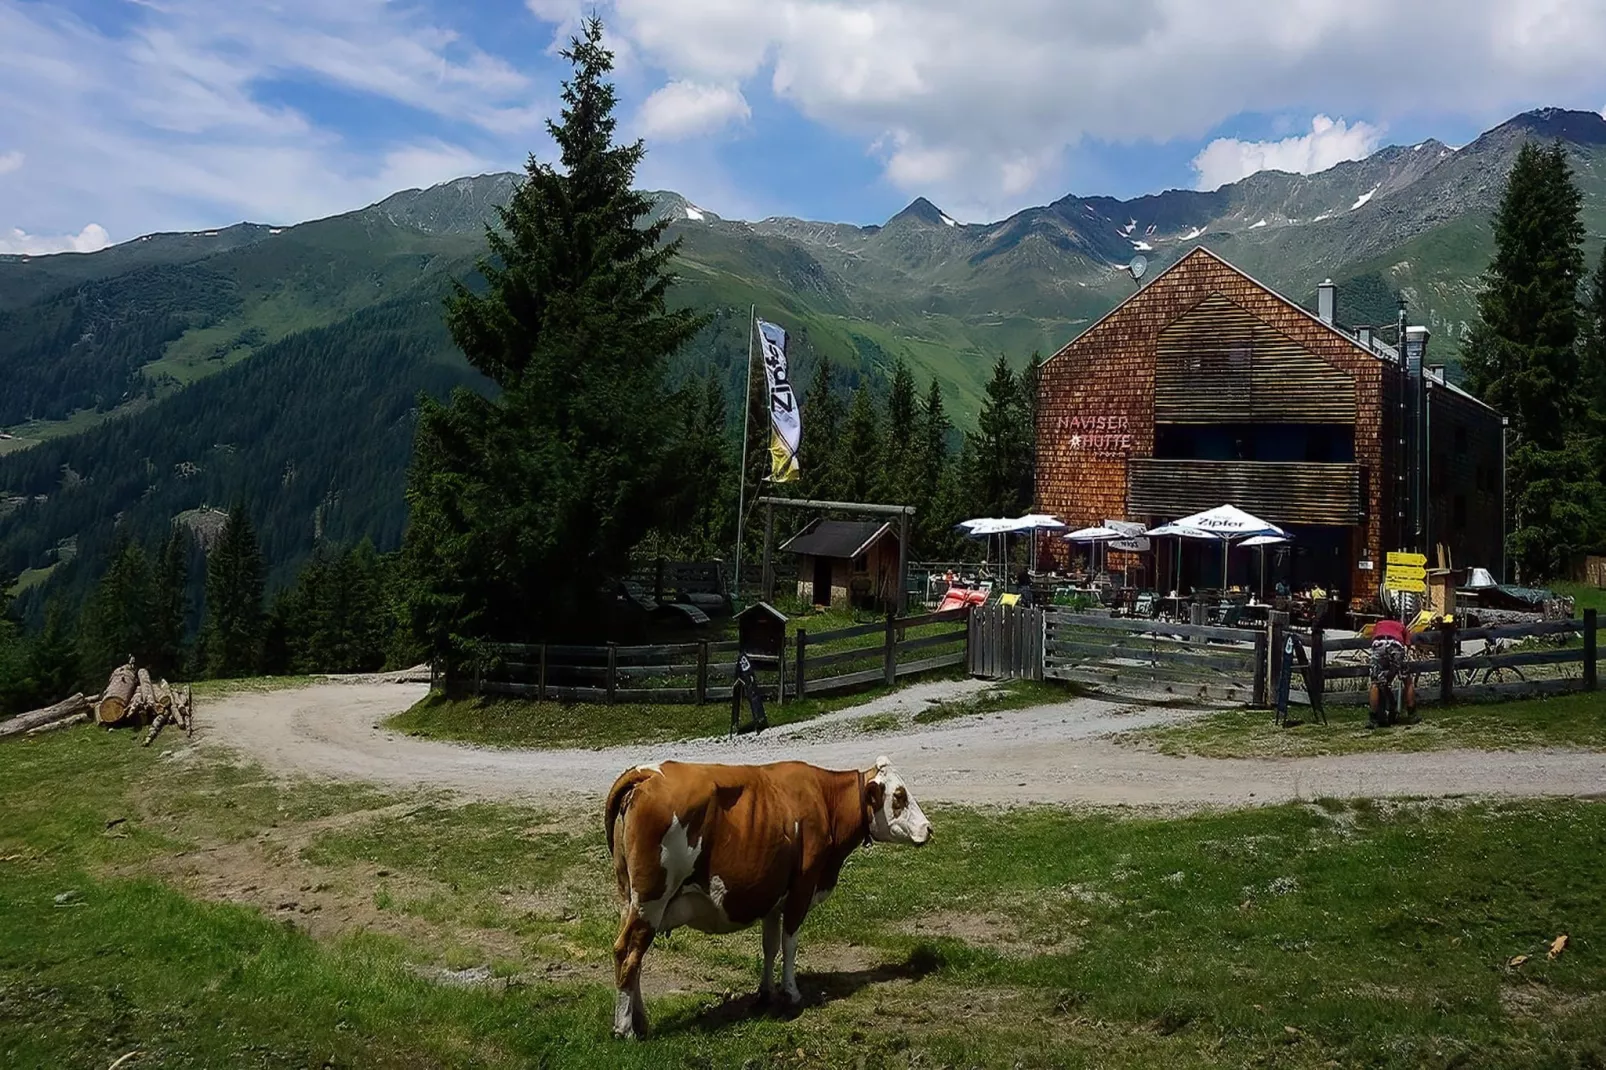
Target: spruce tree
1522,357
998,451
235,624
900,451
524,507
53,656
822,433
116,622
170,611
1592,352
858,456
932,469
16,688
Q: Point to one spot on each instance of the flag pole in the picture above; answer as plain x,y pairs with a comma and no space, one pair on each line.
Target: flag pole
747,419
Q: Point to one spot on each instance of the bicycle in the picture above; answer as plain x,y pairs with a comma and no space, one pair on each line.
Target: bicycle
1488,673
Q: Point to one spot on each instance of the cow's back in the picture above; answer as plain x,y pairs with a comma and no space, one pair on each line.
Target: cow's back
732,832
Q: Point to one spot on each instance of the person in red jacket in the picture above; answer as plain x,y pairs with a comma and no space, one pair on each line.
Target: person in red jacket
1386,660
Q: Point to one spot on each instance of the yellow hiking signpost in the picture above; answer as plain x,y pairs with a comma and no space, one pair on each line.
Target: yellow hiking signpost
1406,572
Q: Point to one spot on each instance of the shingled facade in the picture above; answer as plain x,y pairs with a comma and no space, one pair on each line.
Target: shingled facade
1206,387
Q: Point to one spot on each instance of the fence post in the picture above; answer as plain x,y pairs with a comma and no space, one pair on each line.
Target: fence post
540,683
891,655
1446,663
702,672
1277,627
802,648
1041,641
1591,648
613,670
1316,680
970,642
1196,613
1262,656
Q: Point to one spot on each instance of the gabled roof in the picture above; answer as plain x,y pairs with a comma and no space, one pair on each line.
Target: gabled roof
837,538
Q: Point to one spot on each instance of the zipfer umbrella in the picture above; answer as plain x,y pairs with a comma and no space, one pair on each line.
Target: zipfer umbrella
1227,523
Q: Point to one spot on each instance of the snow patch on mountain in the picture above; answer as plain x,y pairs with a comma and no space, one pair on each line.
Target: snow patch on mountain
945,219
1363,198
693,214
1131,225
1192,234
1143,247
1257,226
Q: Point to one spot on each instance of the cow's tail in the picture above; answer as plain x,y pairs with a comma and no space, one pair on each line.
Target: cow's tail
619,798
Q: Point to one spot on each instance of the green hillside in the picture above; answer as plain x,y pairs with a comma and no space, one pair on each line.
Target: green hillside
279,365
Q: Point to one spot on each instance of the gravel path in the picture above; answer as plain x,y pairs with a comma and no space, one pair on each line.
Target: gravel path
1051,754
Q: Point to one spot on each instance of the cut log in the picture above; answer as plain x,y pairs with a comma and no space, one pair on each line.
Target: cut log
119,694
77,718
164,705
49,715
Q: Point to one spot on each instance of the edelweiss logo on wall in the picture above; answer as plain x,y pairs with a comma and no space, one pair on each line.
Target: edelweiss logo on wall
1103,436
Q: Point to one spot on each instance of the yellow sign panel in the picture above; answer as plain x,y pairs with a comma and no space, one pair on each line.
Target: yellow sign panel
1399,583
1407,572
1402,557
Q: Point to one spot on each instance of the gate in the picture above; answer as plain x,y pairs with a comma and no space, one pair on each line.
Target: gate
1006,642
1149,658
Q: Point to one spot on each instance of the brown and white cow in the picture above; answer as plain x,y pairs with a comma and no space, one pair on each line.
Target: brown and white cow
721,847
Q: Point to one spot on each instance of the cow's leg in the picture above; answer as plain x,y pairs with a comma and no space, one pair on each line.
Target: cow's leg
772,944
635,937
789,967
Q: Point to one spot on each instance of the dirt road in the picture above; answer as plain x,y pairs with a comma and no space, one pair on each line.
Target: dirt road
1053,754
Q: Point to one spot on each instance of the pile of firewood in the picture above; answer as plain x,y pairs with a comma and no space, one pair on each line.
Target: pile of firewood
130,697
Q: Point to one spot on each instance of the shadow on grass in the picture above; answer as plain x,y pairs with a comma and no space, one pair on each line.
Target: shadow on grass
819,989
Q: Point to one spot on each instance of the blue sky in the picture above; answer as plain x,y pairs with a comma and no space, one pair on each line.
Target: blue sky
123,117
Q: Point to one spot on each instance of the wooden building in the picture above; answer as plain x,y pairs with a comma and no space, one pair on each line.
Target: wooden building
1207,388
846,563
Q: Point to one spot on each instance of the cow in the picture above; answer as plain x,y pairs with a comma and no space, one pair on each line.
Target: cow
720,848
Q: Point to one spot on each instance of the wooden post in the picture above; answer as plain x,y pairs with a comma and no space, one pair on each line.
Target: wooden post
902,601
1316,678
802,647
1196,613
1591,648
540,668
613,670
891,653
1262,656
702,672
1278,632
767,580
780,671
1446,664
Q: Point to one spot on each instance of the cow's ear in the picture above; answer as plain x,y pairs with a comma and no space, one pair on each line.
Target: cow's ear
875,794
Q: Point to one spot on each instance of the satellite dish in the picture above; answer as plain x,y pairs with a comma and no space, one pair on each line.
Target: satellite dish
1137,268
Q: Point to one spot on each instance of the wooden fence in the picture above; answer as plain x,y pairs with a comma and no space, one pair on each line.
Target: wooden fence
883,661
1509,661
1006,642
695,673
1122,654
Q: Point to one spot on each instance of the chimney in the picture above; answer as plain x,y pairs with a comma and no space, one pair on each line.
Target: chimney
1416,347
1327,302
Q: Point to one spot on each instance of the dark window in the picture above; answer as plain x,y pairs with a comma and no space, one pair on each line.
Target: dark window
1458,512
1460,440
861,563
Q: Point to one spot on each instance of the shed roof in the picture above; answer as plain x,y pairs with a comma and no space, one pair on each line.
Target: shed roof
837,538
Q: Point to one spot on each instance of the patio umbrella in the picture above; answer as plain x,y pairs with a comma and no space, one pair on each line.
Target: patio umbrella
1095,535
1260,542
1227,523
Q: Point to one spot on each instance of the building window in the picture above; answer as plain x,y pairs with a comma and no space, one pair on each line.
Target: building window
861,563
1460,440
1458,512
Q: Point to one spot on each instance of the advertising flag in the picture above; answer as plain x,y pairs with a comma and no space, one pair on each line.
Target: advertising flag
786,420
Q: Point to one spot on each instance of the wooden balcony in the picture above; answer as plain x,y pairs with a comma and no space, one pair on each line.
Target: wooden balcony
1282,492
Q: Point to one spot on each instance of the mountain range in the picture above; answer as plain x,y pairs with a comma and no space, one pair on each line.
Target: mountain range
177,372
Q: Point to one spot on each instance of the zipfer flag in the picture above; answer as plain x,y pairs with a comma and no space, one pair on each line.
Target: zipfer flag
786,420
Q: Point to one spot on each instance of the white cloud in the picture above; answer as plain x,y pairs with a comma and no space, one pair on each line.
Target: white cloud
684,109
165,126
982,105
91,239
1329,142
10,161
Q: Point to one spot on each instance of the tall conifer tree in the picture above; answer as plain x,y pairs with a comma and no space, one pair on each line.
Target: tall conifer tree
1522,357
525,506
822,433
235,623
859,457
900,453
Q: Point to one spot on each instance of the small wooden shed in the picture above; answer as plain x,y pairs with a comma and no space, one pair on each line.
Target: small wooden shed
845,563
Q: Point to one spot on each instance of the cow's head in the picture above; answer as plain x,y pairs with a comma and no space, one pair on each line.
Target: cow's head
895,817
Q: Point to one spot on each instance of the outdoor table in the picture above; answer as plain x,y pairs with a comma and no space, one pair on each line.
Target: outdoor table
1257,614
